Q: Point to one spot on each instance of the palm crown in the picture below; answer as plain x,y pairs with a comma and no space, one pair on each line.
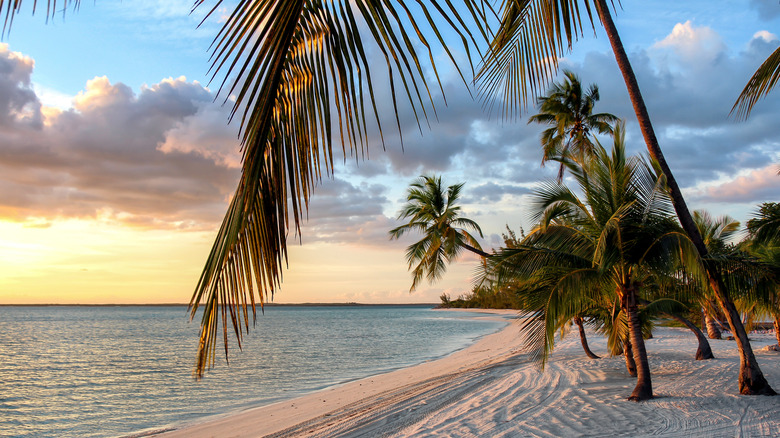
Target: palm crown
568,110
604,245
434,213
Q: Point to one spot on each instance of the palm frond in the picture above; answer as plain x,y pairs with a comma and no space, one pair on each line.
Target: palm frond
10,8
523,56
300,77
758,86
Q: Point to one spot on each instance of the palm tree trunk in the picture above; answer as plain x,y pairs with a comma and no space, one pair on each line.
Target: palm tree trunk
704,351
644,385
713,331
476,251
751,379
584,339
628,353
777,329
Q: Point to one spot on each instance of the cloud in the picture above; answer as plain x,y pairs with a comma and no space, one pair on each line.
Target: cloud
117,155
492,192
19,106
767,9
345,212
692,46
163,156
689,105
753,187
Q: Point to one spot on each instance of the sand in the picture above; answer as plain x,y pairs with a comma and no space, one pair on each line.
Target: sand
493,389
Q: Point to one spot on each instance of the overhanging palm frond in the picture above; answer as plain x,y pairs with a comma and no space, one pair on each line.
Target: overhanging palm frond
295,69
523,57
9,9
758,86
298,71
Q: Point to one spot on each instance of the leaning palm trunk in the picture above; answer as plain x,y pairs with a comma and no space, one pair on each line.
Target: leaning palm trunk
584,339
751,379
704,351
644,386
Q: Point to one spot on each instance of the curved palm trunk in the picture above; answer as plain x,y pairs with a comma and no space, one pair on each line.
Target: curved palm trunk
584,339
751,379
704,351
644,386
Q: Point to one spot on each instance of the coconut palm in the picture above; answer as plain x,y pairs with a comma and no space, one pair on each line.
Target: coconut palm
523,57
568,111
612,242
763,243
716,232
434,213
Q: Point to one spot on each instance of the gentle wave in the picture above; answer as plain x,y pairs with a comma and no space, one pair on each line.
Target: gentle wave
115,371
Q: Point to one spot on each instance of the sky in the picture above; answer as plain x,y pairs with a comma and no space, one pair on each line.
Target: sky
117,161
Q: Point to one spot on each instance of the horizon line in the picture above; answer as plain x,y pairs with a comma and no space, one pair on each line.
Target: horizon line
348,303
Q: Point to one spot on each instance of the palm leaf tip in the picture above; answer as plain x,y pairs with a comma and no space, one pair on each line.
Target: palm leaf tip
758,86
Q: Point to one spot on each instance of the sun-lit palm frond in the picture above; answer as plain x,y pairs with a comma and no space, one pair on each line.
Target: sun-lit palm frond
300,74
758,86
523,56
715,232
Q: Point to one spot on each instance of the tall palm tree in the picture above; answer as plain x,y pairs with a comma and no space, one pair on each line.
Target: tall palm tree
613,241
568,111
715,232
300,74
524,57
763,242
434,213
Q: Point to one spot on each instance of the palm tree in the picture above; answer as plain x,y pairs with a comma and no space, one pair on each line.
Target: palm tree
435,213
523,57
716,233
568,110
763,242
612,242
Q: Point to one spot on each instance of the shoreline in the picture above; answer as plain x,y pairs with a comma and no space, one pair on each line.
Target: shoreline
320,401
492,388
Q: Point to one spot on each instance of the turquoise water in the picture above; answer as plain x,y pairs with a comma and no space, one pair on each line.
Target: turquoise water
116,371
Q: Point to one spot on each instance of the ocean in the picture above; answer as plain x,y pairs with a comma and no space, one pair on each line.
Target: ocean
104,371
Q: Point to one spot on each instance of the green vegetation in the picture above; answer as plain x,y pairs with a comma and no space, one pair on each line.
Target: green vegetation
434,213
610,253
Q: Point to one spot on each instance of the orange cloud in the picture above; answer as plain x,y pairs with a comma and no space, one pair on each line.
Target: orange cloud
756,185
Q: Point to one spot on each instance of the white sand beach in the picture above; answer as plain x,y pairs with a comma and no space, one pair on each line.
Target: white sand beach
492,389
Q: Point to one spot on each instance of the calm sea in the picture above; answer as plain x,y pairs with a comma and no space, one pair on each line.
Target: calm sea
117,371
